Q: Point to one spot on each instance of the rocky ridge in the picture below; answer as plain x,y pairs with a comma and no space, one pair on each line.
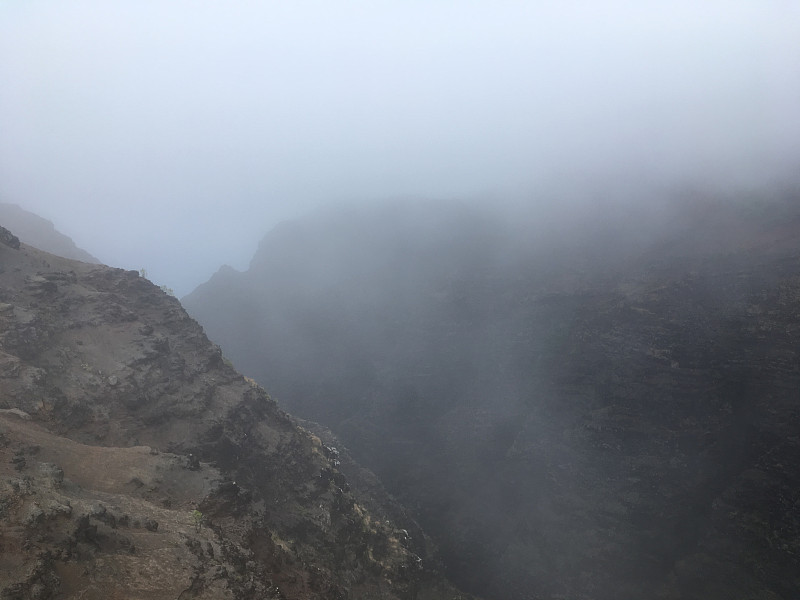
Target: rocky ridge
136,462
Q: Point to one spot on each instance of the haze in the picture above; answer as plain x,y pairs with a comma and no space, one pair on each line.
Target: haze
172,136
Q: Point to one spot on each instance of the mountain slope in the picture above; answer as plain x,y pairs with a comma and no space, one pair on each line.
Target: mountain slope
137,463
601,406
41,233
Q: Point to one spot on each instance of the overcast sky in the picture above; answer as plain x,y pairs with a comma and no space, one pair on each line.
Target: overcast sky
172,135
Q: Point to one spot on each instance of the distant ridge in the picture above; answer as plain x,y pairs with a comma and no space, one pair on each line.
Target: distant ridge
598,401
41,233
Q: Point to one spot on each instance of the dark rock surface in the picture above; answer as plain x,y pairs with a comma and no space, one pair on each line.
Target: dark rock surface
595,408
135,462
8,238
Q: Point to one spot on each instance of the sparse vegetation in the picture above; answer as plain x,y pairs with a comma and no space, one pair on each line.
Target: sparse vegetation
164,288
199,519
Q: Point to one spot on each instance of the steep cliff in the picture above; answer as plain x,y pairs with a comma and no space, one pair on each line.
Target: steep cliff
598,407
135,462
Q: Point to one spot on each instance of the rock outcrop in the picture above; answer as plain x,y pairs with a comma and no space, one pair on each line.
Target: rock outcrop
137,463
9,239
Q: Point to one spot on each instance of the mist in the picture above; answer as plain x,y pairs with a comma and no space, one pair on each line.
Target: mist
172,136
570,405
533,265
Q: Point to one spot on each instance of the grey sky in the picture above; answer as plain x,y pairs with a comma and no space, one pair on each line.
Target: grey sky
173,135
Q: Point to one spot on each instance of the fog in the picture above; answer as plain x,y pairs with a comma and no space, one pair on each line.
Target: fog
172,136
569,408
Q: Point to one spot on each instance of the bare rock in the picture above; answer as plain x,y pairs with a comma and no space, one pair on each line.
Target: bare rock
9,239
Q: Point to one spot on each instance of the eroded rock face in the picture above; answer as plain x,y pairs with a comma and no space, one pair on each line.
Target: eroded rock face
136,463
